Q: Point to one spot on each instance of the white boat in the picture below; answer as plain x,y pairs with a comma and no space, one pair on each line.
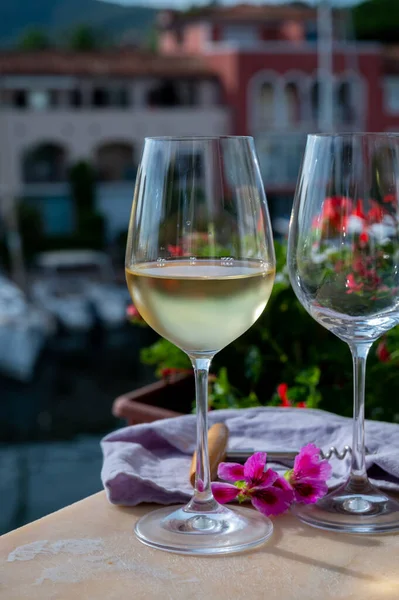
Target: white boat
109,303
71,309
76,286
24,330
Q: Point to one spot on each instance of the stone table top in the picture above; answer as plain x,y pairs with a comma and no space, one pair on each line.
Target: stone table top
88,551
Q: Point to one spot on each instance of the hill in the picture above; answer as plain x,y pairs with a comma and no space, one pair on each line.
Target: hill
57,17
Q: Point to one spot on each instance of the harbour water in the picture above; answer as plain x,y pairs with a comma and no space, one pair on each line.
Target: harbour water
50,427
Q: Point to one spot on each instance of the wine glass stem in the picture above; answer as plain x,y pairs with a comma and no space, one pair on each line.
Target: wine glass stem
203,499
358,476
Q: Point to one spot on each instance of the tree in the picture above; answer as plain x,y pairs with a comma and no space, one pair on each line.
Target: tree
90,224
377,20
84,38
31,228
152,40
34,39
82,182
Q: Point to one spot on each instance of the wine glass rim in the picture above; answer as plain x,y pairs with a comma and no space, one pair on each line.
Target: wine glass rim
355,134
193,138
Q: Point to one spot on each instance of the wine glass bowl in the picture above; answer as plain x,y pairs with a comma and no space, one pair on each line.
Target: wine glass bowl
343,261
200,269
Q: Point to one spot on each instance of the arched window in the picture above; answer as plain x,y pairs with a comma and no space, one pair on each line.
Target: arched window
45,163
292,103
344,102
164,94
315,100
115,162
266,103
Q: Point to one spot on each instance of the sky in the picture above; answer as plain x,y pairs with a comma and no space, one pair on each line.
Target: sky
184,3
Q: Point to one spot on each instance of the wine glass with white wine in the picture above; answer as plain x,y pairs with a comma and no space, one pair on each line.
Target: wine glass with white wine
200,269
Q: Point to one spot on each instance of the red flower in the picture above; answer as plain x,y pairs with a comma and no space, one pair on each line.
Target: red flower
168,372
335,209
301,405
364,237
317,222
175,251
282,390
375,214
389,199
133,314
373,279
351,284
334,214
359,210
338,266
382,352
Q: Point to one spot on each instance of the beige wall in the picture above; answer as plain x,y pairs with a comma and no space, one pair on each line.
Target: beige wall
80,132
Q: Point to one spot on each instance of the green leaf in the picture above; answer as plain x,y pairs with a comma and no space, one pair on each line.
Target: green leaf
164,354
253,364
310,377
313,399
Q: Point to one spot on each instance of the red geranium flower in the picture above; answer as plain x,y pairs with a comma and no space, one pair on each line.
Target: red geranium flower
168,372
175,251
133,314
359,210
335,209
352,285
376,213
382,352
282,390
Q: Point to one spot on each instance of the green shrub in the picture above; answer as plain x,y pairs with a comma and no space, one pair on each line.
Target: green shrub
287,346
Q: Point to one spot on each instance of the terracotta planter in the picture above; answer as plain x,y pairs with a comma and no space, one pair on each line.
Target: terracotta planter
148,403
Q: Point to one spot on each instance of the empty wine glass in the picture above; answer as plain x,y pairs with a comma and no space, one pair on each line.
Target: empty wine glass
200,269
343,260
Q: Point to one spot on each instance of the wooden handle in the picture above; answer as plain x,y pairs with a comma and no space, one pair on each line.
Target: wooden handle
218,436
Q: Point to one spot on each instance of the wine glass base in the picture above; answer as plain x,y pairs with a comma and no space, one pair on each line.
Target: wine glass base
175,529
345,511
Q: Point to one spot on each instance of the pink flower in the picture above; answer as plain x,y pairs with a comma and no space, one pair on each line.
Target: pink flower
267,491
309,475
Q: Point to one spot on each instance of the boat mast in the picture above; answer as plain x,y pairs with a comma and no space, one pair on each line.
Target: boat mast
8,206
325,72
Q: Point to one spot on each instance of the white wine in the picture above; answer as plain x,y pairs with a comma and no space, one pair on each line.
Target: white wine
200,307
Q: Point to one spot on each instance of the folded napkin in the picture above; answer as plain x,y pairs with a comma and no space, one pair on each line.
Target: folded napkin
151,462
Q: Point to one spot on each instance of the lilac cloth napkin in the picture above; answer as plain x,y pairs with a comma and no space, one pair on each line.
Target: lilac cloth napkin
151,462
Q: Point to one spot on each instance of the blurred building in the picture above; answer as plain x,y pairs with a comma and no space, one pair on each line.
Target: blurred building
245,69
268,60
58,108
